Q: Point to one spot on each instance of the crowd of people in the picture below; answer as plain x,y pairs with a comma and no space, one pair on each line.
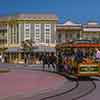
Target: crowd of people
68,61
48,60
77,56
64,60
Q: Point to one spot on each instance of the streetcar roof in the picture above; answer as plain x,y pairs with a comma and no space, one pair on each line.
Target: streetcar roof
79,44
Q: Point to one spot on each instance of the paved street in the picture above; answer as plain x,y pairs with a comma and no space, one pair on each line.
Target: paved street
24,81
95,95
29,82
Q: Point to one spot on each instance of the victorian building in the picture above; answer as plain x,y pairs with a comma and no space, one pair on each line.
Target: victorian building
91,31
68,31
73,31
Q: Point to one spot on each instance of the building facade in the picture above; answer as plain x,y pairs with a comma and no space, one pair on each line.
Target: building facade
91,31
44,30
38,27
73,31
68,31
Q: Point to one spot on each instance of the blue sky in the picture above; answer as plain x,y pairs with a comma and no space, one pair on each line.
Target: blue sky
75,10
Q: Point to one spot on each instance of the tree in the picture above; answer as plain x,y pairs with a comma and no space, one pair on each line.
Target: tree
27,45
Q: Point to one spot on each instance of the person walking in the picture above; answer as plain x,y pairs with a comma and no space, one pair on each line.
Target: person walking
60,65
52,61
40,58
5,58
29,58
25,59
44,61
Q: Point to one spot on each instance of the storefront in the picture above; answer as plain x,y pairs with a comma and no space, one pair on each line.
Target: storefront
13,55
17,55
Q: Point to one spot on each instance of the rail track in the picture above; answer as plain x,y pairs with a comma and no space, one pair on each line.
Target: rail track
83,89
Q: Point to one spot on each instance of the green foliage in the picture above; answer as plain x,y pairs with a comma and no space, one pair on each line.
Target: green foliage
27,45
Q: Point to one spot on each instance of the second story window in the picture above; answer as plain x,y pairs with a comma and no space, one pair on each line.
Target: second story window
47,33
27,31
37,32
27,26
47,28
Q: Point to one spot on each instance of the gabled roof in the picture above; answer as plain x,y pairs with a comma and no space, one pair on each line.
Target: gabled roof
70,23
92,24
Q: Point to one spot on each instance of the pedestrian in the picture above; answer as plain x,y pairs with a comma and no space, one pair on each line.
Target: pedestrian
5,58
52,61
44,61
29,59
2,58
40,58
25,59
60,65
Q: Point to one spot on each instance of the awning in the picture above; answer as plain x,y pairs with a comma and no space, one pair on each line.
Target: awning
44,49
13,50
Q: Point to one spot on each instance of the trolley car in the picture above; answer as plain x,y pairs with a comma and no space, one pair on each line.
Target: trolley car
89,65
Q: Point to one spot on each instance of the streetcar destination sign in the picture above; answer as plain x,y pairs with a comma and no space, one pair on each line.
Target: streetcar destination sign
89,69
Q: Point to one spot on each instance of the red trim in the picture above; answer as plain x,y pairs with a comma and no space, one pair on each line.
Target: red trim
85,45
78,45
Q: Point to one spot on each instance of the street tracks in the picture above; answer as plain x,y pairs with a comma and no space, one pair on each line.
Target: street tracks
81,88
